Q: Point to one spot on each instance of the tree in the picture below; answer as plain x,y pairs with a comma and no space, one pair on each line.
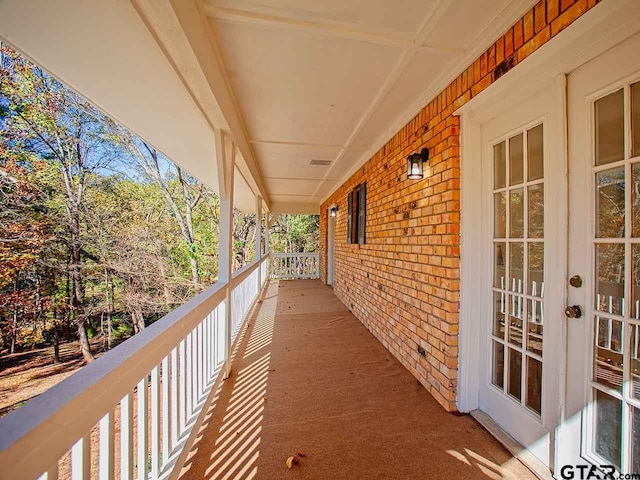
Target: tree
182,200
46,119
295,233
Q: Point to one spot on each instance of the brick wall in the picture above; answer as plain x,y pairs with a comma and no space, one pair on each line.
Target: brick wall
403,284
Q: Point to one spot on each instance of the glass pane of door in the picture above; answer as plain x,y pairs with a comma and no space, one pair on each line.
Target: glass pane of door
612,432
518,268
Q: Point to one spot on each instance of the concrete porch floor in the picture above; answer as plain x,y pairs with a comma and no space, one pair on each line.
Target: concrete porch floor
309,379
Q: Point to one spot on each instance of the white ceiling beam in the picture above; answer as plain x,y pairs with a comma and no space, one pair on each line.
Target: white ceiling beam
192,29
346,31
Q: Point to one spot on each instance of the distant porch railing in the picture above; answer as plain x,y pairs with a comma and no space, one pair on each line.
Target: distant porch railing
288,266
133,413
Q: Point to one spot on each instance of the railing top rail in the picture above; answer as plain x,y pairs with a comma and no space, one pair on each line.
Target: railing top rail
239,275
300,254
70,409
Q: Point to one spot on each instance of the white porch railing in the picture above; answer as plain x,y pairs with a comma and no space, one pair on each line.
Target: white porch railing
286,266
134,412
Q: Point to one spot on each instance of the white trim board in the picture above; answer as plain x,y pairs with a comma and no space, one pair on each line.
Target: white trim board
538,468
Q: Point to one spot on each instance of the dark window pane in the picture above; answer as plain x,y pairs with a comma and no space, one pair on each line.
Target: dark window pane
608,427
515,374
500,215
610,186
610,277
534,384
500,309
535,207
609,113
499,262
499,165
535,160
497,377
516,160
516,213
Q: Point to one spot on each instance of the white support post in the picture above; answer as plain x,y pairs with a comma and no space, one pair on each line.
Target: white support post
259,237
106,449
226,152
266,233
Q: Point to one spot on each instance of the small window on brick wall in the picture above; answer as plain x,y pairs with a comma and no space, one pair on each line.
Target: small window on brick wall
357,214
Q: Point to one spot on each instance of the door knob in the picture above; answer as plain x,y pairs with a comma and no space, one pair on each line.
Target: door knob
573,311
575,281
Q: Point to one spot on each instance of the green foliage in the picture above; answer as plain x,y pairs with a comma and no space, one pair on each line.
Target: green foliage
296,233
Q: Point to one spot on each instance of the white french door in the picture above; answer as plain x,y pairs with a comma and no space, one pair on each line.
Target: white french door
602,419
524,190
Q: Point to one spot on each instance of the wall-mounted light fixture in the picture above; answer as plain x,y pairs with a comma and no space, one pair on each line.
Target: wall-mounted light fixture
415,164
333,211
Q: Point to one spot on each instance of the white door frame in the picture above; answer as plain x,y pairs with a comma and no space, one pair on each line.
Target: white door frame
331,227
596,31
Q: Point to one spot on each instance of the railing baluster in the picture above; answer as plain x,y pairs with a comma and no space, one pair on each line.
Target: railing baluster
126,437
196,366
143,443
201,360
155,422
182,392
188,379
81,459
175,402
207,349
194,372
166,415
106,449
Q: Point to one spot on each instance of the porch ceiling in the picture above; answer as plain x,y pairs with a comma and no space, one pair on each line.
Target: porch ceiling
334,79
291,80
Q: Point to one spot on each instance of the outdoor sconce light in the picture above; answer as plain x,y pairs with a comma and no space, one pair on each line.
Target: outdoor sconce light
333,212
415,164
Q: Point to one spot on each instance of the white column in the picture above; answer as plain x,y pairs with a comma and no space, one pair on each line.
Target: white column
258,226
226,166
259,238
266,232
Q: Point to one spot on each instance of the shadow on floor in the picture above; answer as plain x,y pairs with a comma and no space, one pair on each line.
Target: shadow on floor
309,380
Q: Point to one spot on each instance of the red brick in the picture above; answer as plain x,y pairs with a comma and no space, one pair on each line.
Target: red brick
500,50
508,43
528,26
539,16
491,58
518,35
568,16
553,9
